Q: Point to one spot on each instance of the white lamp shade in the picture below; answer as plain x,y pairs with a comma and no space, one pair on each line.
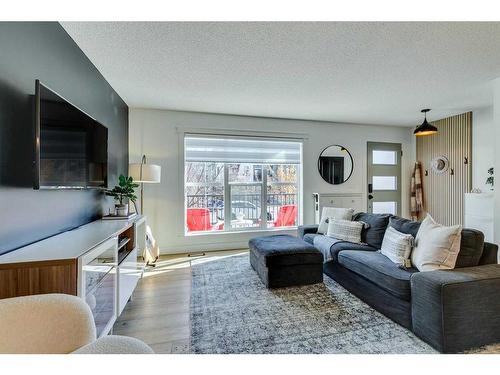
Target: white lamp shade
149,173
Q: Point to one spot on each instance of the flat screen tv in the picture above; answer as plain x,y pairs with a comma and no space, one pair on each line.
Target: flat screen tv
71,148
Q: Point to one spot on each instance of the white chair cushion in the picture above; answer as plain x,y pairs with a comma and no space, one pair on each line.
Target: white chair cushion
45,324
115,345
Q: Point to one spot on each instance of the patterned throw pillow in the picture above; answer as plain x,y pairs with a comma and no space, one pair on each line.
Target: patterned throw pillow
397,246
333,213
345,230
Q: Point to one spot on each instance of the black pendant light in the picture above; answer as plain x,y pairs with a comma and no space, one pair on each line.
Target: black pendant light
425,128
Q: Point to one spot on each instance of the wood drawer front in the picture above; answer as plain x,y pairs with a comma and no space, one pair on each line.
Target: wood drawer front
38,278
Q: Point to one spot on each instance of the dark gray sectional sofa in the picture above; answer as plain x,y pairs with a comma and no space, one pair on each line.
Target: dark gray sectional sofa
453,310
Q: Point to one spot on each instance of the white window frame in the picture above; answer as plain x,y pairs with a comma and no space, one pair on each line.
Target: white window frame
271,136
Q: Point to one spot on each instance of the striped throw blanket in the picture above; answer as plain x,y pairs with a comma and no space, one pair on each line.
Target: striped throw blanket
416,199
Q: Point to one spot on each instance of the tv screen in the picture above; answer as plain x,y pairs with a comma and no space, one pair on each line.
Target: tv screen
71,148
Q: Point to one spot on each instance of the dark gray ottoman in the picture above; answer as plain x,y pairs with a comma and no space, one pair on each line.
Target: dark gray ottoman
284,260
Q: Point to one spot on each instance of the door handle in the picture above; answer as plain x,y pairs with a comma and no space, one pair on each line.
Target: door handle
370,196
370,188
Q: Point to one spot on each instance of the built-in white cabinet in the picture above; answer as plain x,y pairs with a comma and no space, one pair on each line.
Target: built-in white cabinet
340,200
97,262
478,213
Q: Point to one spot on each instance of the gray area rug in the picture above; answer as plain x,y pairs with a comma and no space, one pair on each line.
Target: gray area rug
232,312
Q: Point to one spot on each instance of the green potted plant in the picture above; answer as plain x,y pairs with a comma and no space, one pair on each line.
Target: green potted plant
124,190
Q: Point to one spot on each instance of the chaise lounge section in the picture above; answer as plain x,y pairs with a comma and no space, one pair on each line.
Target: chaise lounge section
453,310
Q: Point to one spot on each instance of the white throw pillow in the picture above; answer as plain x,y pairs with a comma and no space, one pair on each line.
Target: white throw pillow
333,213
345,230
397,246
436,246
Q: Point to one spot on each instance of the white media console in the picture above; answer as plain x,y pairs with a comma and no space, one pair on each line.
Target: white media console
97,262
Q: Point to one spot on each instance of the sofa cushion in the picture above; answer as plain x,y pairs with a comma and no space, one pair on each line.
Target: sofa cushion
309,237
373,234
342,245
471,248
404,225
378,269
324,244
284,250
330,247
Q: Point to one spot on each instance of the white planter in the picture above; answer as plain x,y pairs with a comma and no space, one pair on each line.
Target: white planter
121,209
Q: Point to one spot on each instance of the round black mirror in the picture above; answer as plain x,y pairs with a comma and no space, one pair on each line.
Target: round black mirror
335,164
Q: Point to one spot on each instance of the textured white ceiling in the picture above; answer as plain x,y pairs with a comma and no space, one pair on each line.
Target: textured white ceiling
357,72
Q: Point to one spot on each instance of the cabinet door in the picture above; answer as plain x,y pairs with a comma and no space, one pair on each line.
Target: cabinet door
102,301
98,283
129,273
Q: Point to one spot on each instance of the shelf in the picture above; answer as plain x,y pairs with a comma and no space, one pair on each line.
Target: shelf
122,254
123,242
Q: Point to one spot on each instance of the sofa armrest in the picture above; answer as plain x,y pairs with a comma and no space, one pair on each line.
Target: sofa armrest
45,323
302,230
490,254
456,310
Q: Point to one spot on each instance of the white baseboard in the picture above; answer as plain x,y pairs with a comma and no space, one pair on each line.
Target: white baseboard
180,249
211,246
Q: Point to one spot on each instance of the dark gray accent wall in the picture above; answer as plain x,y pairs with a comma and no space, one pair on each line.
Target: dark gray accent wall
44,51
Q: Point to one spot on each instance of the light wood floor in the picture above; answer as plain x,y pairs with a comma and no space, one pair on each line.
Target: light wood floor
158,313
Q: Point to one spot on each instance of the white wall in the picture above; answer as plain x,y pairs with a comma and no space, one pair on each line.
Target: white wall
483,149
157,134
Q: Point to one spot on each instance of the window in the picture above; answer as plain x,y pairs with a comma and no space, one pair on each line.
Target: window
384,183
234,184
383,157
384,208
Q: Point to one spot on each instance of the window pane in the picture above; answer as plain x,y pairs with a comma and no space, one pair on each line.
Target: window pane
245,205
237,150
384,208
244,172
384,183
282,197
204,173
282,173
204,189
384,157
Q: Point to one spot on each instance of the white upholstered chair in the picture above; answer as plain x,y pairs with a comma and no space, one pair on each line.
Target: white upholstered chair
57,324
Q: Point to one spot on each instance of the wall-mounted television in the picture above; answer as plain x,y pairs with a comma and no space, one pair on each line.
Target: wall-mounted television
71,148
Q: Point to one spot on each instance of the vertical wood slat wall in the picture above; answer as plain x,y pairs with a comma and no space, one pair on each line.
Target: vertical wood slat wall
444,193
